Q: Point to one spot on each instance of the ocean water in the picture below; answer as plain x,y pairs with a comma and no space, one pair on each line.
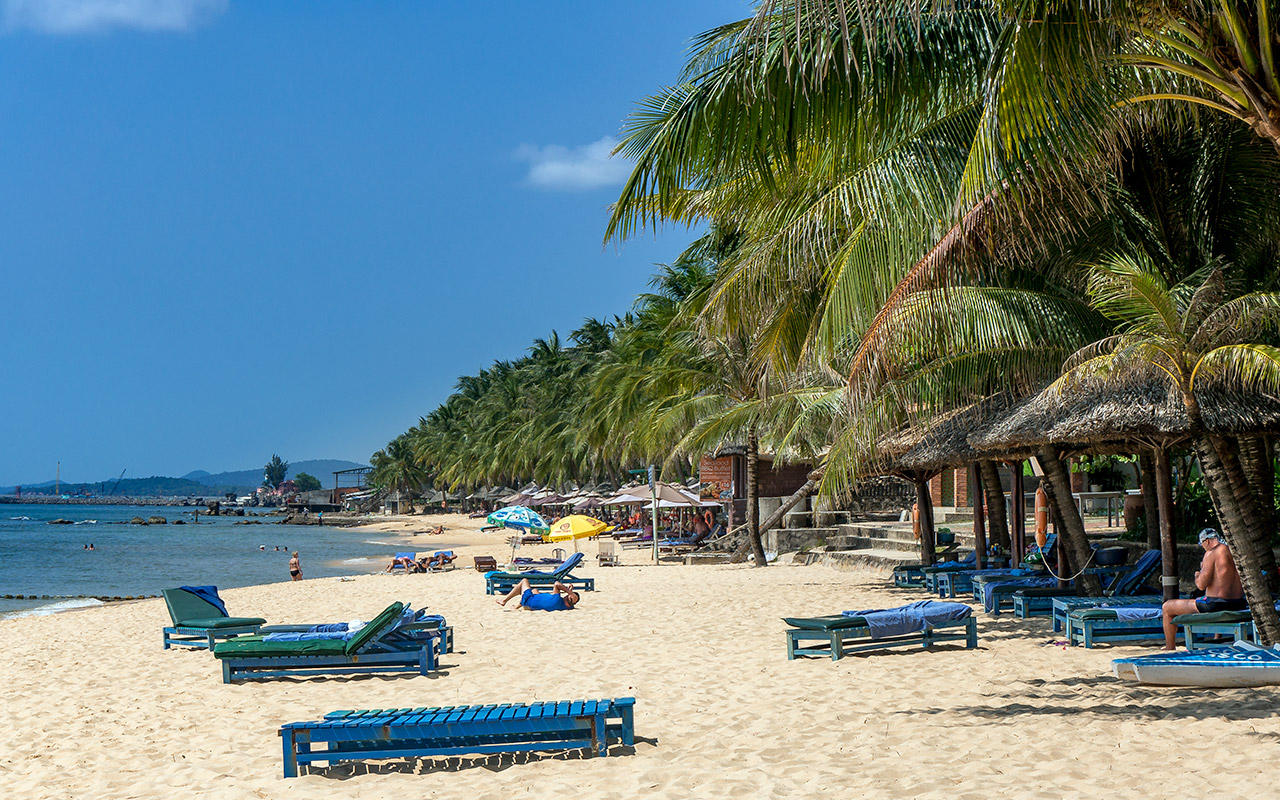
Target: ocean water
41,559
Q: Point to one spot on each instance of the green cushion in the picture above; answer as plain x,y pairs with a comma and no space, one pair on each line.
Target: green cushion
375,628
1214,617
832,623
1046,592
184,605
255,647
1094,613
221,622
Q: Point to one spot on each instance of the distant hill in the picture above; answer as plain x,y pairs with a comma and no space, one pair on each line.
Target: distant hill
198,482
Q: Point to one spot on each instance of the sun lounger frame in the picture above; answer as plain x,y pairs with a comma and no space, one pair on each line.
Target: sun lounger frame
1087,632
421,661
1194,625
204,638
502,582
1062,606
842,641
458,730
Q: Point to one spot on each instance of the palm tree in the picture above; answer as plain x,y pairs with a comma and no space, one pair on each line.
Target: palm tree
1206,342
397,465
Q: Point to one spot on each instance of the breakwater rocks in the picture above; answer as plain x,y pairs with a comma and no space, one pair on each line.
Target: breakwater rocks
102,597
46,500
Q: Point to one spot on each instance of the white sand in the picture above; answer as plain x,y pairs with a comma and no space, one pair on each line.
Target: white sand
92,707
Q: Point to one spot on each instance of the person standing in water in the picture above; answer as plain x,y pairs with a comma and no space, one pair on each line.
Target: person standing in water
295,567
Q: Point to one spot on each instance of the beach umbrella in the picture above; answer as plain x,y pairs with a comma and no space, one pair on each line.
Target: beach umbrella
517,517
588,502
575,526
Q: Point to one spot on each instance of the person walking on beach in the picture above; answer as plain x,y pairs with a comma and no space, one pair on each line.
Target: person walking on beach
1218,578
295,567
560,598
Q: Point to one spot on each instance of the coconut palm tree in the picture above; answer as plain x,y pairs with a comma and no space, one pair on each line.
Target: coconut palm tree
397,465
1207,342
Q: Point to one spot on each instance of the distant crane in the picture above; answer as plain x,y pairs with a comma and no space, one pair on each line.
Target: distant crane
117,483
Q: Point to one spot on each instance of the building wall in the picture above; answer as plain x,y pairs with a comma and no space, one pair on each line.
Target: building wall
780,481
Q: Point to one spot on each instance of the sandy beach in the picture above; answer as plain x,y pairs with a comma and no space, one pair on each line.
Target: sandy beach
95,708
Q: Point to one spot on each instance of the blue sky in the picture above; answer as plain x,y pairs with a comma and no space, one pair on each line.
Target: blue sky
231,228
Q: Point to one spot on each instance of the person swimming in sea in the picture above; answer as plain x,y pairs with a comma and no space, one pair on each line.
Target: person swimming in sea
560,598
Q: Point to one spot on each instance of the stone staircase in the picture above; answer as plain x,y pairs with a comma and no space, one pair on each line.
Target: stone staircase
878,546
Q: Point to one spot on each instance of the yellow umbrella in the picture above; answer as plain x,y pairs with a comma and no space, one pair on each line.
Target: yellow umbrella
575,526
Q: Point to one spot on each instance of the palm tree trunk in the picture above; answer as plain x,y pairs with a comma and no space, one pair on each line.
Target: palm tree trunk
924,501
997,520
1168,546
753,497
1233,500
810,486
1072,533
1255,458
1150,498
979,516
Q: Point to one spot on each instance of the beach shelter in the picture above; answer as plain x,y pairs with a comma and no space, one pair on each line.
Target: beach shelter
590,501
575,526
517,517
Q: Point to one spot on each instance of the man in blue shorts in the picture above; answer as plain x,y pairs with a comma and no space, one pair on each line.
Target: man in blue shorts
560,598
1218,578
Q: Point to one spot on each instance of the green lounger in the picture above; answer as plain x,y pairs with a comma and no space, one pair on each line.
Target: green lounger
374,648
199,623
837,635
1238,624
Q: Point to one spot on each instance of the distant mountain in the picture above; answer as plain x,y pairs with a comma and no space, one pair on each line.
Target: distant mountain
252,478
198,482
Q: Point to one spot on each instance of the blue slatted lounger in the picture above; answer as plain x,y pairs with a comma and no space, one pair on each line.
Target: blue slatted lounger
375,648
424,626
1065,605
1087,626
200,618
911,576
458,730
837,635
1122,581
1196,628
501,582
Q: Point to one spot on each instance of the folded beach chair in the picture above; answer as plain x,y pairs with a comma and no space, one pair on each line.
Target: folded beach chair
496,581
926,622
457,730
422,627
1126,581
376,647
608,555
200,618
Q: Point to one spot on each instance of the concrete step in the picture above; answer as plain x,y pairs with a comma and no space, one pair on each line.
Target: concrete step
880,561
848,542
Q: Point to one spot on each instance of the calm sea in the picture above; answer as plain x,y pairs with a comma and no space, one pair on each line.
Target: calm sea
42,559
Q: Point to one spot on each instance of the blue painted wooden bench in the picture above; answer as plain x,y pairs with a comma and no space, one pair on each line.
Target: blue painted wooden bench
1197,627
1087,626
458,730
1062,606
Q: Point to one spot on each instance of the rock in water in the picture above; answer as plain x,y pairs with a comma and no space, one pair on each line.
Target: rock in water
157,521
60,522
137,521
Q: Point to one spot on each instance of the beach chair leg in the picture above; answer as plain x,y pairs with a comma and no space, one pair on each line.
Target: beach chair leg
837,646
600,734
971,634
1088,634
166,639
627,712
226,671
210,640
290,753
791,646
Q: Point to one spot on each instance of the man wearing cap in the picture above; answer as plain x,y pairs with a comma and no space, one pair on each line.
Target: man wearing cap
1219,580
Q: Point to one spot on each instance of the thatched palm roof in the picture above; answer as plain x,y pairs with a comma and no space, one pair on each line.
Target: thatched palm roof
943,443
1109,415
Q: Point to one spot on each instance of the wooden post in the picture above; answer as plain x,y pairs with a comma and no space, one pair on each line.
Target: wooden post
1019,515
979,515
1168,548
925,502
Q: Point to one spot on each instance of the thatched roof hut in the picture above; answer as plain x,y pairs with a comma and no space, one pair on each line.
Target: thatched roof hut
1101,416
943,443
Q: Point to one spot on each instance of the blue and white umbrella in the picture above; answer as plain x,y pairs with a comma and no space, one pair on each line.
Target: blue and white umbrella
517,517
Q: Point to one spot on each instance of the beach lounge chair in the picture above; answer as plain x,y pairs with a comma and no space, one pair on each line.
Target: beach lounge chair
200,618
951,582
912,575
1124,581
377,647
423,626
445,560
608,555
501,582
926,622
404,563
484,563
1196,628
458,730
1086,626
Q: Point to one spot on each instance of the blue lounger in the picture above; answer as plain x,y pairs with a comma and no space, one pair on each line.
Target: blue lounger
501,582
458,730
200,618
1123,582
912,575
950,583
926,622
423,627
377,647
1087,626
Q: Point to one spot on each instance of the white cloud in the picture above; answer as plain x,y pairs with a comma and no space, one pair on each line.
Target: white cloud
84,16
574,168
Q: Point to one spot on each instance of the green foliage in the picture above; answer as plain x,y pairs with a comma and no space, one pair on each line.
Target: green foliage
274,472
305,482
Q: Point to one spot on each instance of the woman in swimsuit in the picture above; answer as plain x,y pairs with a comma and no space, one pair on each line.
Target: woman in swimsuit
295,567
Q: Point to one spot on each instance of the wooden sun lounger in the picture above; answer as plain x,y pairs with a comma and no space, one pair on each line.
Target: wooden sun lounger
200,624
501,582
1237,624
1064,605
458,730
374,649
836,636
1087,626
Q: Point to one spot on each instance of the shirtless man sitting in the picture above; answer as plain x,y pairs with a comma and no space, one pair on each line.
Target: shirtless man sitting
1218,578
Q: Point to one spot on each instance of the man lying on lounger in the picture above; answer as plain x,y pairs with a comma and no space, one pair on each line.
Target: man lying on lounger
560,598
1219,580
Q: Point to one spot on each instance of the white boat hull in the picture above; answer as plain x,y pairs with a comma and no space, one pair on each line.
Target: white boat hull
1243,664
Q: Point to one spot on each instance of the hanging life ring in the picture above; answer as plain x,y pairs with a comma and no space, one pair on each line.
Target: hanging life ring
1042,517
